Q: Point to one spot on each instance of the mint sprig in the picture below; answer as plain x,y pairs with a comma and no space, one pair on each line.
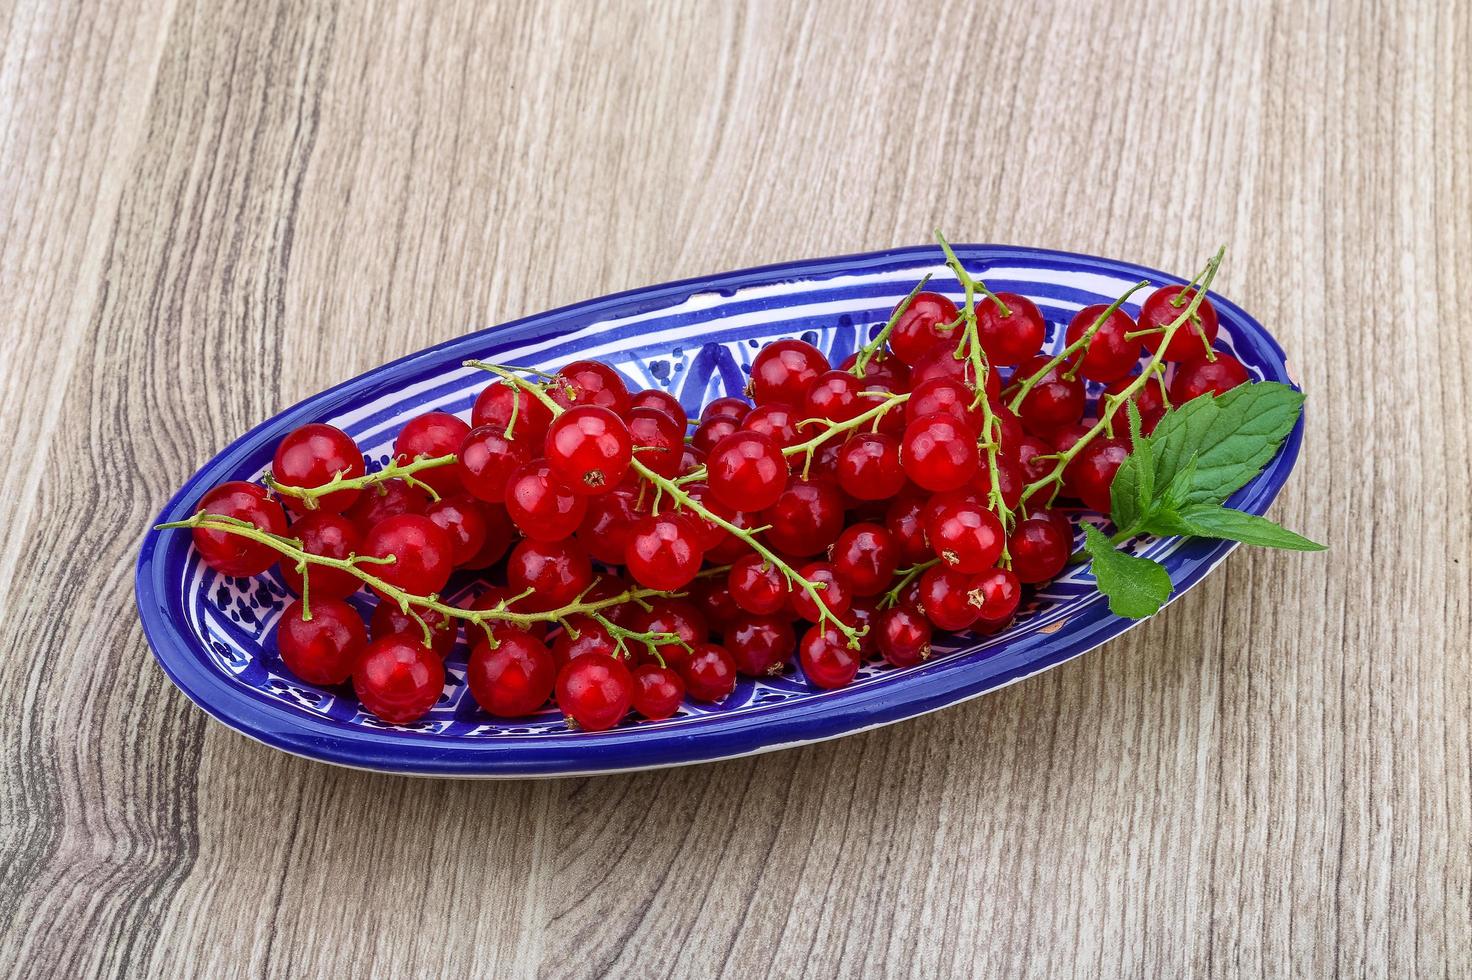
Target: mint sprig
1176,479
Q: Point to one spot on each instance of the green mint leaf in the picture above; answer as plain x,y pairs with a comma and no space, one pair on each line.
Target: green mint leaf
1177,493
1136,587
1134,483
1232,436
1213,521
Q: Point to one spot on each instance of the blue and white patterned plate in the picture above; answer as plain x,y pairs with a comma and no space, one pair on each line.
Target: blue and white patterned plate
213,635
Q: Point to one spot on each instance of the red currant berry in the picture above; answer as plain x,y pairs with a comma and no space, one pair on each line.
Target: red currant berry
609,521
323,649
1069,436
939,452
659,441
464,521
1149,402
662,552
658,691
595,692
589,448
1010,437
1054,402
310,457
500,401
731,547
1108,355
965,535
942,364
776,422
423,553
707,534
1035,456
712,431
512,679
905,521
1198,377
233,554
430,436
836,396
692,460
761,645
662,401
499,534
542,504
863,615
945,598
1164,307
388,619
1054,517
835,594
673,616
583,635
487,460
783,371
865,558
384,500
1010,480
746,471
555,573
1039,550
712,596
827,662
869,466
1013,337
883,369
756,585
806,518
398,679
920,328
996,593
330,536
709,672
737,408
948,395
1091,473
904,636
590,383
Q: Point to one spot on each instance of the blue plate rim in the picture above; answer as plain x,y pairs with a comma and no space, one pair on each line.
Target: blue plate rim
925,689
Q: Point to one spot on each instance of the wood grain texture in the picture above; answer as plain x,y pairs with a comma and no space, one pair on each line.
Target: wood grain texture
211,210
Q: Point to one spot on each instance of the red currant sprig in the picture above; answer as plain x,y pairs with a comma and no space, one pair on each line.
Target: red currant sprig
1110,402
414,606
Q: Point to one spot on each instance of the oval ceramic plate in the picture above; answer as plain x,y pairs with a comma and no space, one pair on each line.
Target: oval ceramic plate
213,635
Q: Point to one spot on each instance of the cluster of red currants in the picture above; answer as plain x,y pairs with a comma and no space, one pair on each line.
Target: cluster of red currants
835,513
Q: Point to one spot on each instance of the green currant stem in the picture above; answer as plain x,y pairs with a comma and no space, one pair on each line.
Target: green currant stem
991,427
1110,403
1075,347
966,279
536,390
394,470
866,354
892,597
407,601
652,641
685,501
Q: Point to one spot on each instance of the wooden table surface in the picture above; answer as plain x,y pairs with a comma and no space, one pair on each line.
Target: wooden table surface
213,209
